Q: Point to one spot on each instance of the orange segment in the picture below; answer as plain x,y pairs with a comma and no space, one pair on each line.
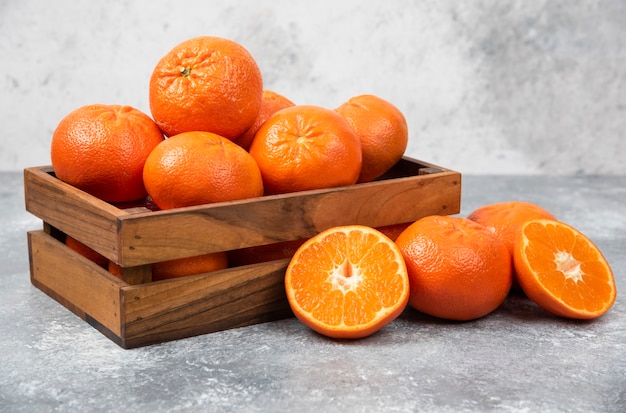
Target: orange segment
347,282
563,271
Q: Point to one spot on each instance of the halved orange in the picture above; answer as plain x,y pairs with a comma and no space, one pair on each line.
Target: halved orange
563,271
347,282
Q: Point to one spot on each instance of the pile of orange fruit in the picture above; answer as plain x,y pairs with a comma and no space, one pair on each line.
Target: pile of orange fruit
215,134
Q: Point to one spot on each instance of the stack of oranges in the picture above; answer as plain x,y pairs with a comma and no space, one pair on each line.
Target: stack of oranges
217,135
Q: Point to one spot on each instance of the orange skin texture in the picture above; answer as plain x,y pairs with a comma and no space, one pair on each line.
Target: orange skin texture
101,150
206,84
195,168
271,103
458,270
505,220
579,283
347,286
382,129
306,147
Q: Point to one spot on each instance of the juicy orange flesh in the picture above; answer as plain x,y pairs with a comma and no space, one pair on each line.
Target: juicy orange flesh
568,266
347,279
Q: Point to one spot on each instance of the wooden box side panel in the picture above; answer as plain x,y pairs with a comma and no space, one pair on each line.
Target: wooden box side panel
75,282
78,214
194,231
204,303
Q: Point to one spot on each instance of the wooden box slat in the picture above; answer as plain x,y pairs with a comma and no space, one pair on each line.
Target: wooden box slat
80,215
137,236
74,281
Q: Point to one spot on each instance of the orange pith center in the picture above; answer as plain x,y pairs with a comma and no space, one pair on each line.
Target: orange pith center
346,277
568,265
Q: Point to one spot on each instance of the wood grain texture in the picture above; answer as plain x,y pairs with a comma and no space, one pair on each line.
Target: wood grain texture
77,283
78,214
137,235
204,303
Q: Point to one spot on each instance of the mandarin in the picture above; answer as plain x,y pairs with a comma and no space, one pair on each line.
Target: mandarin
101,149
562,270
86,251
382,129
458,269
181,267
271,103
347,282
306,147
505,220
194,168
206,84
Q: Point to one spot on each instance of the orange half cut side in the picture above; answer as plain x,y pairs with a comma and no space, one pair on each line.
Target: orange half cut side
347,282
563,271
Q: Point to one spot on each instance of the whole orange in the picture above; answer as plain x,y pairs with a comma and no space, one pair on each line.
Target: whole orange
505,220
306,147
382,129
196,168
271,103
458,269
181,267
206,84
86,251
101,149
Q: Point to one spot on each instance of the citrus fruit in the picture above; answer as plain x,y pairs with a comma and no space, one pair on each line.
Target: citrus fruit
458,269
206,84
271,103
347,282
563,271
86,251
505,220
382,129
194,168
306,147
181,267
101,150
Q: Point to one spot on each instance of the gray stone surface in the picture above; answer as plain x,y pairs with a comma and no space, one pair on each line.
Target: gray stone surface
517,359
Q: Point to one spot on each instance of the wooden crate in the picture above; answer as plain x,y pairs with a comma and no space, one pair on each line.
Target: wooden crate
134,311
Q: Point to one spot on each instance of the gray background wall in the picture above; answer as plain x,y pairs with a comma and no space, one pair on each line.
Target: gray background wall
529,87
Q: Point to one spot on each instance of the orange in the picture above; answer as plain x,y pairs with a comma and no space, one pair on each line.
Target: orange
563,271
458,269
206,84
101,150
505,220
347,282
196,168
86,251
382,129
182,267
271,103
306,147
